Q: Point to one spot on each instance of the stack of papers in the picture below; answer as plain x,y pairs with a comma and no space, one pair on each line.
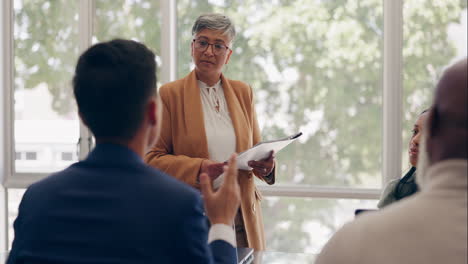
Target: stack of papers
258,152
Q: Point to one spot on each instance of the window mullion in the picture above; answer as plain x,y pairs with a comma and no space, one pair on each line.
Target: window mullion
6,113
168,50
85,34
319,192
392,89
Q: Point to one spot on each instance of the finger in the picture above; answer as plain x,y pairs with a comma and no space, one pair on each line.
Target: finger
214,176
261,163
259,172
205,185
219,171
270,156
258,165
215,170
258,168
231,171
217,166
254,163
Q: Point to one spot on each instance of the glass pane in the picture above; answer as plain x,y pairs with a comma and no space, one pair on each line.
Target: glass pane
307,223
434,37
14,199
315,67
46,48
139,20
304,225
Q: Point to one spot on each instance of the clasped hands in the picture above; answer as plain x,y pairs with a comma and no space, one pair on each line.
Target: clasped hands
261,168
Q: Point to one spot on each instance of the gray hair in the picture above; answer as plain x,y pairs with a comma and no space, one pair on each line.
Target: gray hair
214,22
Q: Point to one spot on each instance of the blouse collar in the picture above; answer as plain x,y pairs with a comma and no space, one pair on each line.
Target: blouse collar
204,85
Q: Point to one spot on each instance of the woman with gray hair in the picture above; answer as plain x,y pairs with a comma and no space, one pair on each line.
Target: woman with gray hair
206,117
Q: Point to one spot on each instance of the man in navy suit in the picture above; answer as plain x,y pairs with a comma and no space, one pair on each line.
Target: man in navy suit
112,207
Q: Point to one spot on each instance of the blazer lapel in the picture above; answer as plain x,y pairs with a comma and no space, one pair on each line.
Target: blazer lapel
193,117
237,115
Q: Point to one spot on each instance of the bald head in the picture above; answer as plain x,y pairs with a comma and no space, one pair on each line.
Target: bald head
448,119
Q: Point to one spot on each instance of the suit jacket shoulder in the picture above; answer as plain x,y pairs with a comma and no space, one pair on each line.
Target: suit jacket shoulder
117,204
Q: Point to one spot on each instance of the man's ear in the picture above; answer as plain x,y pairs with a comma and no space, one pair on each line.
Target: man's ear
152,111
154,117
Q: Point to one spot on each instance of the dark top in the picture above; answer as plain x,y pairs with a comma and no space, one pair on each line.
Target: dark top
399,189
113,208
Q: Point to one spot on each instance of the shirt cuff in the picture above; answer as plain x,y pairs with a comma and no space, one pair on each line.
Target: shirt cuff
222,232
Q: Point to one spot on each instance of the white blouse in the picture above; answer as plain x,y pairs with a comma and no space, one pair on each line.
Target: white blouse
220,133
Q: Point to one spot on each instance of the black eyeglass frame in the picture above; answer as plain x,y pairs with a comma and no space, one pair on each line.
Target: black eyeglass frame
211,44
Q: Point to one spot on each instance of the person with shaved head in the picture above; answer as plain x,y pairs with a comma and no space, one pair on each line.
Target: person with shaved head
431,226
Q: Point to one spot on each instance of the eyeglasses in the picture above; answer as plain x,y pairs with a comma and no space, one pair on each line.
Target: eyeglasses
218,49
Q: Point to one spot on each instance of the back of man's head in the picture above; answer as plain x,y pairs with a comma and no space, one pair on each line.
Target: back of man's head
113,83
448,119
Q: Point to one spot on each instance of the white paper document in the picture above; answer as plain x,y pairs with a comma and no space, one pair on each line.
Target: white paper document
258,152
262,150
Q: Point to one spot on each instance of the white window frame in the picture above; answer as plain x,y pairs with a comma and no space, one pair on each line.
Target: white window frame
6,106
391,120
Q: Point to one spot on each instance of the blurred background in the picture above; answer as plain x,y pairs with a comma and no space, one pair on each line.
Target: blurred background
315,66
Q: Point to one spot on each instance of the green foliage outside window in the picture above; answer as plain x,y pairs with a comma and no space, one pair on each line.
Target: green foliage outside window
315,66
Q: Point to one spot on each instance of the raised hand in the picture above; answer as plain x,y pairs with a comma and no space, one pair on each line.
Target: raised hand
221,206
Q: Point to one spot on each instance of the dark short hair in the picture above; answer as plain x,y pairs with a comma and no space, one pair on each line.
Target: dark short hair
112,84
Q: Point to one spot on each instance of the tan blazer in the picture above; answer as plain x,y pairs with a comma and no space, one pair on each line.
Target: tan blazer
183,146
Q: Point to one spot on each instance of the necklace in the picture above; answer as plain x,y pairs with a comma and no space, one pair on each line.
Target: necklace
212,92
217,105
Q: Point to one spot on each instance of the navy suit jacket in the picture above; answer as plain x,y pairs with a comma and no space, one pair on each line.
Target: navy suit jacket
113,208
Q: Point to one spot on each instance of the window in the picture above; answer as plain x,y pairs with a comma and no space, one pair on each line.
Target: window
132,19
434,37
314,66
45,47
299,225
302,68
31,155
66,156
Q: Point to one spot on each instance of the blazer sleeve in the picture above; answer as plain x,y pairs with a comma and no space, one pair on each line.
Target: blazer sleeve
161,156
16,246
193,240
18,243
257,137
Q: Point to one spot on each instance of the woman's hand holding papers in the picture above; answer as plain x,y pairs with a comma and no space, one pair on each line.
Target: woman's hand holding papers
212,168
221,206
262,168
